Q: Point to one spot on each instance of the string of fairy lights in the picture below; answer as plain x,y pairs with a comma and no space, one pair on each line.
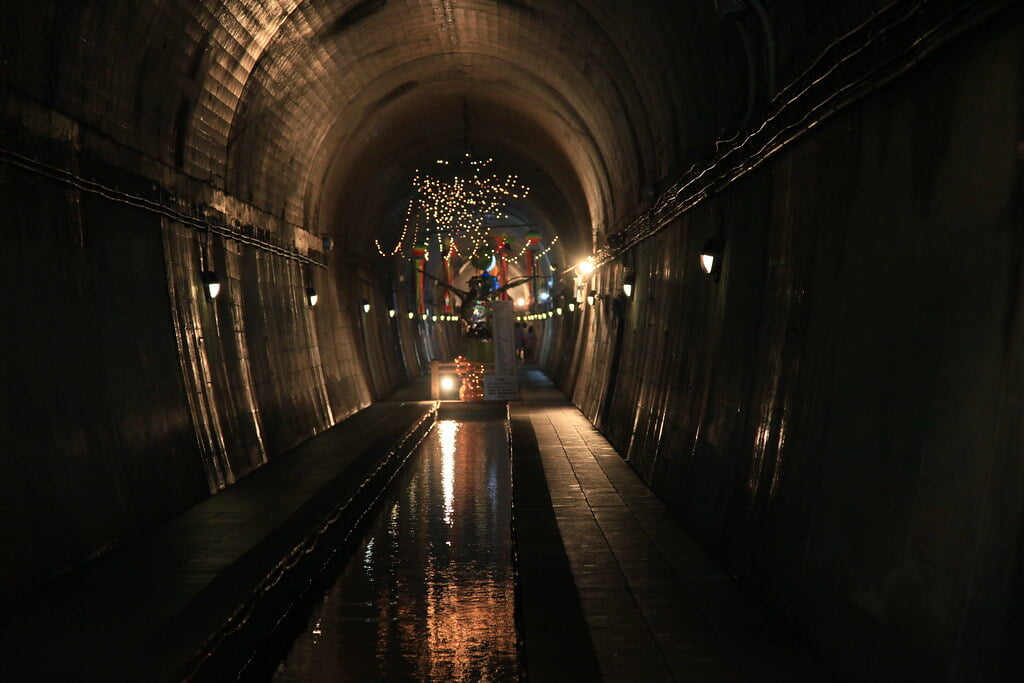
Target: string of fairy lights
450,209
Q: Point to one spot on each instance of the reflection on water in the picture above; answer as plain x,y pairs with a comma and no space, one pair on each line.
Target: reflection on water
432,598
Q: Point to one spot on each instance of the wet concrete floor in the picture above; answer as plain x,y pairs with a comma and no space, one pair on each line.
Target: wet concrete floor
429,593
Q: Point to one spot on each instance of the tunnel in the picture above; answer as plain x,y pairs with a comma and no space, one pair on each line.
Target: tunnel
769,253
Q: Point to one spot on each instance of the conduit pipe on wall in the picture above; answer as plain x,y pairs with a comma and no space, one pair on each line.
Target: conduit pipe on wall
883,48
241,235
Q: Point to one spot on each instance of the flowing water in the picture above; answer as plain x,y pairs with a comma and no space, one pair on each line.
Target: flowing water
429,594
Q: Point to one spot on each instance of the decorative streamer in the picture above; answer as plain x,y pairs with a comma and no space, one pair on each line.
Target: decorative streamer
419,262
532,244
446,275
502,249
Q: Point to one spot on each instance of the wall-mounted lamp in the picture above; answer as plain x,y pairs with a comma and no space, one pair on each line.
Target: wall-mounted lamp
411,315
591,297
211,284
711,257
558,310
433,318
628,282
586,266
391,313
572,306
424,317
311,297
366,306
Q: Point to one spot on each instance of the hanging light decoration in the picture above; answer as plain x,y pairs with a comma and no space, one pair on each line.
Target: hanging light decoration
452,209
453,203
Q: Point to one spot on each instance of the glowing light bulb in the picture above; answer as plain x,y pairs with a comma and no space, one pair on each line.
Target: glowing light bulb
707,262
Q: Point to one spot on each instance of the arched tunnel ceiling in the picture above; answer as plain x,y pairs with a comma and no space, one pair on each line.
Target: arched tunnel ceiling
365,93
318,111
370,177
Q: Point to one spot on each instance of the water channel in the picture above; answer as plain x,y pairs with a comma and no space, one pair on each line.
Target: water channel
429,593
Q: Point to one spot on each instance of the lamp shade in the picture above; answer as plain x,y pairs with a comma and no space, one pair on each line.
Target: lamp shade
211,284
628,282
711,257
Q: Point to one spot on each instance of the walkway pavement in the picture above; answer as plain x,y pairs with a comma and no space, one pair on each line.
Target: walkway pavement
656,607
151,610
609,586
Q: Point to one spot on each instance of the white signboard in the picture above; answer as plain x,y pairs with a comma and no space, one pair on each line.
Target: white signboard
500,388
503,385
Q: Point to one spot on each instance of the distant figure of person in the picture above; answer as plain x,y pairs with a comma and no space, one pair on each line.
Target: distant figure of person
529,341
520,341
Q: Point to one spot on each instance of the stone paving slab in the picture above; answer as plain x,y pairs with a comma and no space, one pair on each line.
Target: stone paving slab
655,604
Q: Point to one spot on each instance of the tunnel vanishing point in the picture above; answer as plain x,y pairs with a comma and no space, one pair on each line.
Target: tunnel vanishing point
836,411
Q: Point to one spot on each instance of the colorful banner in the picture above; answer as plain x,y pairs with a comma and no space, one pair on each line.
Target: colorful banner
419,262
502,265
532,245
446,276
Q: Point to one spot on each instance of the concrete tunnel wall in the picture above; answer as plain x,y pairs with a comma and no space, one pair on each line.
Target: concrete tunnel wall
837,416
